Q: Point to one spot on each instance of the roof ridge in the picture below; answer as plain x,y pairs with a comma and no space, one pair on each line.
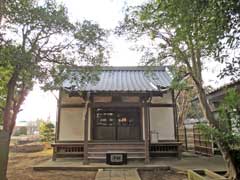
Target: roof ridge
125,68
133,68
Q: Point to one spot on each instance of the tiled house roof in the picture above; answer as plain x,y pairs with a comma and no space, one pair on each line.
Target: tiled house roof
126,79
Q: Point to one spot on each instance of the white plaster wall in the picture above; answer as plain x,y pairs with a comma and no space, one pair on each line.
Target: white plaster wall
165,99
162,121
71,127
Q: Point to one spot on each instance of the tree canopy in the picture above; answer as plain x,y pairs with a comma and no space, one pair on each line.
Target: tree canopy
39,43
184,30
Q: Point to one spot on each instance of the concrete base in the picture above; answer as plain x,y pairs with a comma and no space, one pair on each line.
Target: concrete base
117,174
215,164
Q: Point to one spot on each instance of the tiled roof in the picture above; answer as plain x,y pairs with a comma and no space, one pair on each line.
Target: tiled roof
129,79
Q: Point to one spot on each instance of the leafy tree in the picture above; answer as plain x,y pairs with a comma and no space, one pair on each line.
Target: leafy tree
185,93
186,33
228,130
232,69
46,131
38,43
4,77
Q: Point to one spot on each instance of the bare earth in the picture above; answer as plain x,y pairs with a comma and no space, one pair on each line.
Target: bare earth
20,168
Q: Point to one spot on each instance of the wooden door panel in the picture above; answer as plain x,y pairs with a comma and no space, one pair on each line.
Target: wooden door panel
128,133
105,133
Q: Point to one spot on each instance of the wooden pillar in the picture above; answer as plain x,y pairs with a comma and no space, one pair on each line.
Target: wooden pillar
175,116
58,115
85,146
147,133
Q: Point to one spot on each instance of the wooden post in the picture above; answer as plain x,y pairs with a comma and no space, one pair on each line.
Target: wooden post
54,157
175,116
146,129
185,137
58,115
85,146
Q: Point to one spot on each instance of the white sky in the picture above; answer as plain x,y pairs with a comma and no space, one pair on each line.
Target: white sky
107,13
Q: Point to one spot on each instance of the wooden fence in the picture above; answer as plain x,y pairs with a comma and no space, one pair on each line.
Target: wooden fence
193,140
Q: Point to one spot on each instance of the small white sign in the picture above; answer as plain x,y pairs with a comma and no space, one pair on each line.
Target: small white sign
116,157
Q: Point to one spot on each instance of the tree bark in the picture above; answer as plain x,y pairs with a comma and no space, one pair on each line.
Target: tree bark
4,152
7,113
233,172
8,124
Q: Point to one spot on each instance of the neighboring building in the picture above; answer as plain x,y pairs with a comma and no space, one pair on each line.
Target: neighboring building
128,109
216,96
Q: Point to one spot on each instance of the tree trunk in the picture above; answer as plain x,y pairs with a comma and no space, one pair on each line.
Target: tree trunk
8,125
233,172
4,151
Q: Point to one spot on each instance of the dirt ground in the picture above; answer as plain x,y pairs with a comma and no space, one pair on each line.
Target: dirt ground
162,175
20,168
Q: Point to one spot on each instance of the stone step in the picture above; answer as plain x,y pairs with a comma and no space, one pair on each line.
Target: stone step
116,174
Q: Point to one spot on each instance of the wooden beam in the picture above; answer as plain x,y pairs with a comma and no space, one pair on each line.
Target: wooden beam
85,147
94,105
161,105
73,105
146,129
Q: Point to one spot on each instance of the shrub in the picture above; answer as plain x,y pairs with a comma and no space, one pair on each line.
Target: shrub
46,131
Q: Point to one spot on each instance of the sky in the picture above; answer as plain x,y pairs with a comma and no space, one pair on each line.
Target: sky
107,13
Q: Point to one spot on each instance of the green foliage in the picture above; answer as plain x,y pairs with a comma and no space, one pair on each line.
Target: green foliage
194,111
5,73
228,130
38,43
185,32
46,131
44,43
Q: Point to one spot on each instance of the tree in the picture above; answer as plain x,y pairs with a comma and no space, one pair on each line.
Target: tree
187,33
4,77
39,44
232,69
46,131
228,130
185,93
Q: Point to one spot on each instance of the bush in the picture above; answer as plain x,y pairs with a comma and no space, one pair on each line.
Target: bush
46,132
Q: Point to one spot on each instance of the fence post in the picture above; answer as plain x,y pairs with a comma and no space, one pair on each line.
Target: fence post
194,139
185,137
